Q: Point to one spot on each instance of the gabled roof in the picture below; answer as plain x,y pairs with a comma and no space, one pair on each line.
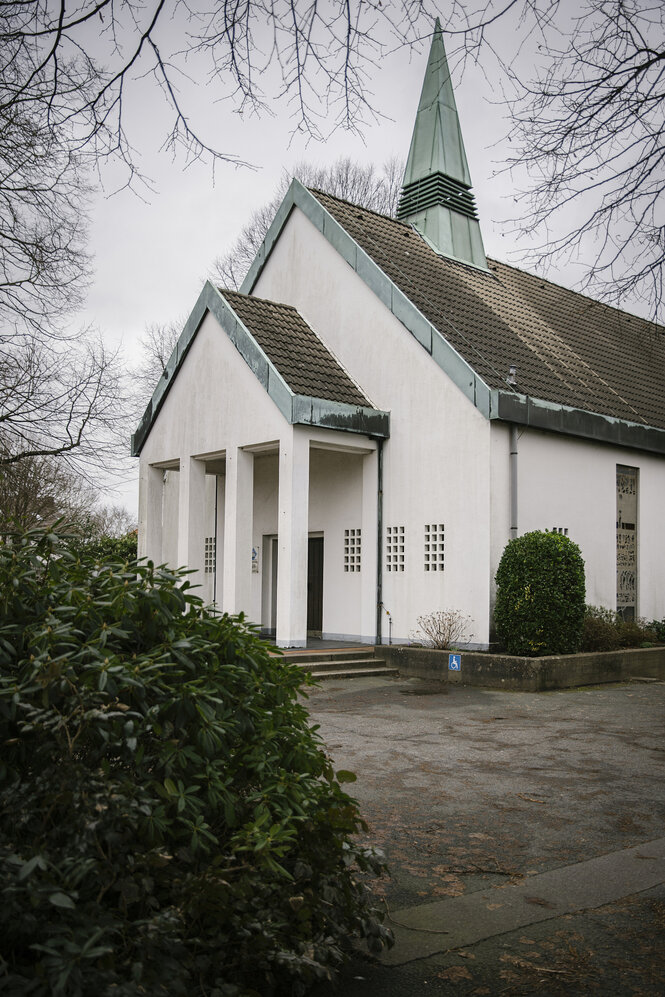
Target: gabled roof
300,374
583,368
566,347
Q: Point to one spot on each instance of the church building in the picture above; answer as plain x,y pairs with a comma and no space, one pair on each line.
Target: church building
350,441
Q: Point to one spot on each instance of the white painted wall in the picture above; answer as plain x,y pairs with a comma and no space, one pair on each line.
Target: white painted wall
571,483
336,505
436,461
215,402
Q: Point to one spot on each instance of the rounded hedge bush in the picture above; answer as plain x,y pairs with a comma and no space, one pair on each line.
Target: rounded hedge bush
540,596
170,823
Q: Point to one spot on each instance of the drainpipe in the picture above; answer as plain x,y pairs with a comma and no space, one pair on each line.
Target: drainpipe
214,567
513,482
379,539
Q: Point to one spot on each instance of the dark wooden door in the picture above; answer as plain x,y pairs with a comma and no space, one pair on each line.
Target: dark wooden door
315,585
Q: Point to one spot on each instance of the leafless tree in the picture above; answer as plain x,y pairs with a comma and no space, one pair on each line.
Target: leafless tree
157,343
59,398
39,491
43,263
598,159
585,89
82,64
59,387
346,178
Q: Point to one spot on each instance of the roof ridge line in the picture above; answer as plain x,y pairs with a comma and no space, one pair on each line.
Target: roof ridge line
361,207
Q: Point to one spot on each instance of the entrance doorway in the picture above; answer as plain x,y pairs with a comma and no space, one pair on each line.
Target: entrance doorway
314,586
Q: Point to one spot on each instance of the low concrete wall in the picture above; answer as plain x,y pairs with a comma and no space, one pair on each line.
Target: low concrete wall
503,671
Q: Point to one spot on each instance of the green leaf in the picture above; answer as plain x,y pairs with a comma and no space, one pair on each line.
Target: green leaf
345,776
62,900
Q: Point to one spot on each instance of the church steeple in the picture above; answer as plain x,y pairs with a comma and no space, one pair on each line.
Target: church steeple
436,191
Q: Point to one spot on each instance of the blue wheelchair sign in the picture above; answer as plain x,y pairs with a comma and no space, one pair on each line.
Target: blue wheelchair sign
455,662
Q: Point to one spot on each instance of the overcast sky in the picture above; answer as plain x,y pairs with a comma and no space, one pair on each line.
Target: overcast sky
152,255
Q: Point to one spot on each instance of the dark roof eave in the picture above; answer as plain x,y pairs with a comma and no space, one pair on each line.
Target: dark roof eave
523,410
309,411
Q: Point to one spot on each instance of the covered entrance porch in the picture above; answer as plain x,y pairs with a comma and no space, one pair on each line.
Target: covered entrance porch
284,531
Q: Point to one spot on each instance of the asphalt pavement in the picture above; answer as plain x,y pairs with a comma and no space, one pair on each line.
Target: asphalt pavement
525,834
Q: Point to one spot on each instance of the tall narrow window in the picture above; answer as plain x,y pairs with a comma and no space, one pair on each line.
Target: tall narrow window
395,548
210,554
352,542
627,541
434,546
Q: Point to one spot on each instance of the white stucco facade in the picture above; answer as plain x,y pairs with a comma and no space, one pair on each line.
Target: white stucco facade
250,497
569,485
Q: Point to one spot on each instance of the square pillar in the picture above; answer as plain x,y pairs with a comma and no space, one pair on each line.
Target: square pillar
292,535
191,515
238,525
368,551
220,485
151,488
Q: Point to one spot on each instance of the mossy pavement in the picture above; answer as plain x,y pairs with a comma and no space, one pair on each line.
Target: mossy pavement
524,834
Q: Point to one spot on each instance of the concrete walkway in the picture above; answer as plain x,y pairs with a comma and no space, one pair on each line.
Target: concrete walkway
523,831
477,916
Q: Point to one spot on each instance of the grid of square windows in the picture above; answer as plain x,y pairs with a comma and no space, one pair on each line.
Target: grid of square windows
352,544
210,554
434,546
395,548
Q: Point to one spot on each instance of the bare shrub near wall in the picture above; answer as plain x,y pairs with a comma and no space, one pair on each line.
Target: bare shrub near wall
442,629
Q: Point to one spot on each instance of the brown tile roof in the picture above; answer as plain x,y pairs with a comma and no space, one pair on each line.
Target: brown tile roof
304,362
567,348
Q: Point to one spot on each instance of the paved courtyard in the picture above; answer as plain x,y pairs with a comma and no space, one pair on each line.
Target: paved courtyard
525,834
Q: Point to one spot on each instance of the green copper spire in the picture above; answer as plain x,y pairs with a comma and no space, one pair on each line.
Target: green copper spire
436,192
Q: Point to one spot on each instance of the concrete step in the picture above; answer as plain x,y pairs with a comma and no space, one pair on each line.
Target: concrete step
341,662
330,654
327,665
353,673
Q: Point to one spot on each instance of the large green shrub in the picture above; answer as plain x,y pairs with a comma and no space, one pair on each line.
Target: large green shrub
540,595
170,823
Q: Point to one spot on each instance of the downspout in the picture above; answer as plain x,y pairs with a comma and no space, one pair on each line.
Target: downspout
513,481
379,539
214,576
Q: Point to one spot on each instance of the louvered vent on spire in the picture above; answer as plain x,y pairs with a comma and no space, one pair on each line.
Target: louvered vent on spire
436,192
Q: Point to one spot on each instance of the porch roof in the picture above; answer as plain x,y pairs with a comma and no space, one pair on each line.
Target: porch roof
301,376
307,366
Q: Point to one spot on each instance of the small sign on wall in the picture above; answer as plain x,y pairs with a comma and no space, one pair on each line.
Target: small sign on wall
455,662
255,560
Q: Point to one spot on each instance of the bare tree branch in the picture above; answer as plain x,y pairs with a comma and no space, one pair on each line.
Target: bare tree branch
587,133
61,399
